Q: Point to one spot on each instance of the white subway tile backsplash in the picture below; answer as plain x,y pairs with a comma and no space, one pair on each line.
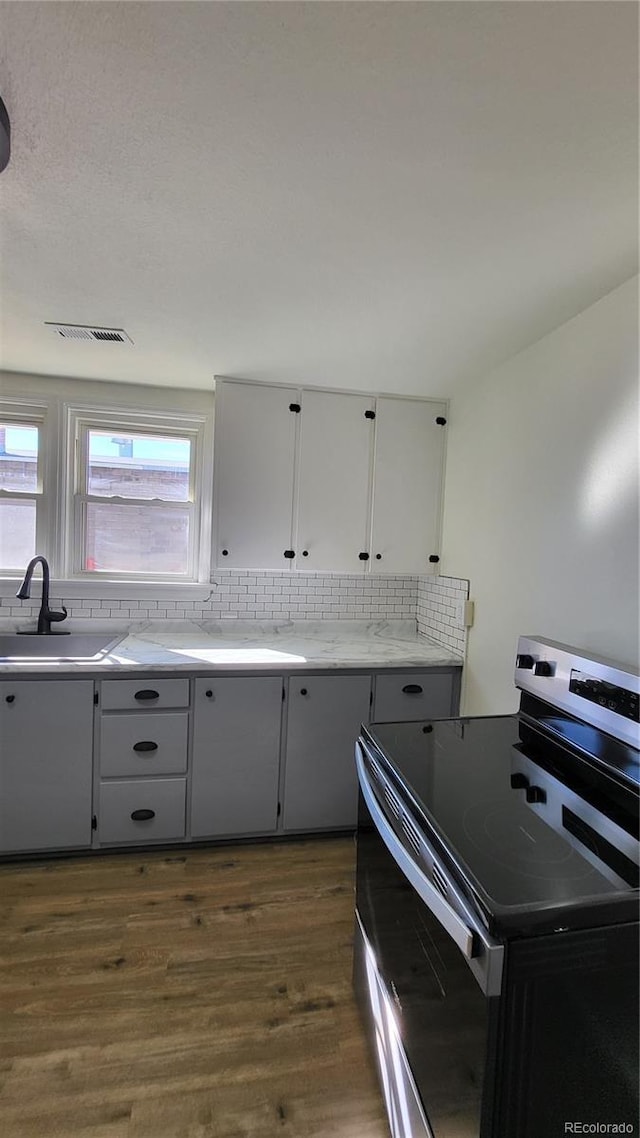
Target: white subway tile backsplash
437,609
432,601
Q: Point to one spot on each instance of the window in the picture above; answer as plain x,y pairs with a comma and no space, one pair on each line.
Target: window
136,506
111,483
21,490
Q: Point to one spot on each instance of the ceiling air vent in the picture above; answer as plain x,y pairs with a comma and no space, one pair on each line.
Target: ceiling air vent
86,332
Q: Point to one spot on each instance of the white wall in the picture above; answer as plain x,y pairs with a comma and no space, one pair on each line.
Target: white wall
541,497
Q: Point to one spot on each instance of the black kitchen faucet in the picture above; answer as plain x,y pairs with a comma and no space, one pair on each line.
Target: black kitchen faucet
46,616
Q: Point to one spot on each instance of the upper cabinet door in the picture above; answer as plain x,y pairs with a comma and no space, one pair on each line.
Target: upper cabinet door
408,472
333,481
255,440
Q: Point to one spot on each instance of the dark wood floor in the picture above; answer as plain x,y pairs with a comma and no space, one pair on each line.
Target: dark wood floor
191,994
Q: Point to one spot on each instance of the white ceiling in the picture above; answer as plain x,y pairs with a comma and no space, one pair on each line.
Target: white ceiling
380,196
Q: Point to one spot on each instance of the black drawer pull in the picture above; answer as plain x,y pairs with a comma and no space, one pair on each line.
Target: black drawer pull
303,691
145,745
146,693
143,815
363,556
295,407
225,552
9,698
289,553
412,689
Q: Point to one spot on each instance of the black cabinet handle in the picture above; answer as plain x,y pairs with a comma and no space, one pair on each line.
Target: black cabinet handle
305,552
434,559
363,556
294,407
412,689
369,414
145,745
9,698
303,691
145,694
289,553
441,421
209,693
143,815
378,557
225,552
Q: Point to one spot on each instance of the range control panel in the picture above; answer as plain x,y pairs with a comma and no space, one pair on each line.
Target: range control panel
591,688
617,699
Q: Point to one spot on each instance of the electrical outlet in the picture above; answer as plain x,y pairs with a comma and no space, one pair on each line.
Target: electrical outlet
464,613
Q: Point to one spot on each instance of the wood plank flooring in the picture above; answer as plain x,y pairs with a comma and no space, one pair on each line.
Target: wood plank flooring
184,994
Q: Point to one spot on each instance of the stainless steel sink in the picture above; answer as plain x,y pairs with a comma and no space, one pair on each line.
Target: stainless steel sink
75,646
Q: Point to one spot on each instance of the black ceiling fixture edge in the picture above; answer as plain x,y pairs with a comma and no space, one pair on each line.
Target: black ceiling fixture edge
5,137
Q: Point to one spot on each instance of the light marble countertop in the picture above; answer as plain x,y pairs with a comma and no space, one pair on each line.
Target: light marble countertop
237,646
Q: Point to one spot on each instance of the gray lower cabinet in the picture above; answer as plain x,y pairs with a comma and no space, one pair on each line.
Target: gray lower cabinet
323,722
402,696
143,745
142,810
46,746
236,755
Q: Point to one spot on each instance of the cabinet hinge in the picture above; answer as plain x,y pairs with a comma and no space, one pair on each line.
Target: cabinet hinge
94,822
279,809
369,414
95,697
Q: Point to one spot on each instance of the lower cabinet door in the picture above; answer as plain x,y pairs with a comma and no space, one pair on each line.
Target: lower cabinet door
236,756
321,785
46,749
142,810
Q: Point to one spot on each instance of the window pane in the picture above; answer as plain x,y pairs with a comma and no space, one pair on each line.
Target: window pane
18,457
17,533
138,466
137,539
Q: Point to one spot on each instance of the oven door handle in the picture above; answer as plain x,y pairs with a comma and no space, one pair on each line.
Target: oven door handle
435,902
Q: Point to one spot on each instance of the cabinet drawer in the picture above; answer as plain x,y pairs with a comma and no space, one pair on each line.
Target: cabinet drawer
161,802
143,744
123,695
413,695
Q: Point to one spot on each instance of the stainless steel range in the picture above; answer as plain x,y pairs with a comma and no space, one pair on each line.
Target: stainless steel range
496,960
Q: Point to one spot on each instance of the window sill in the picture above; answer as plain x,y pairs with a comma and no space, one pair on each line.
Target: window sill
106,590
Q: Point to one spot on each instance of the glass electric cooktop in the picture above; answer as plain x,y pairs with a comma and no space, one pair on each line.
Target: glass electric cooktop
471,780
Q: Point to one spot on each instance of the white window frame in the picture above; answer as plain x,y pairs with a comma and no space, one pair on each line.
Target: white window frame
33,415
80,419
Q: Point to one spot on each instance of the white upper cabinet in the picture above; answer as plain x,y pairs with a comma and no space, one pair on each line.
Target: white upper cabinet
333,481
326,481
255,441
407,483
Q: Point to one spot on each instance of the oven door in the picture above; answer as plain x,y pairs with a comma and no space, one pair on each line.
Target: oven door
431,1023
